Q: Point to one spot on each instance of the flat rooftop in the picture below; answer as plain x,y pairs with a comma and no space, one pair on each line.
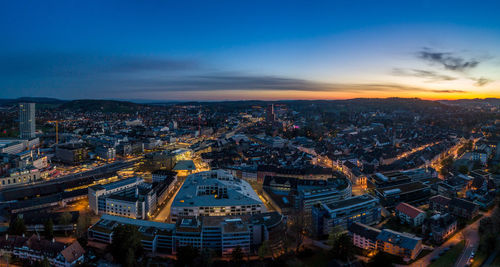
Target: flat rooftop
357,200
404,188
236,191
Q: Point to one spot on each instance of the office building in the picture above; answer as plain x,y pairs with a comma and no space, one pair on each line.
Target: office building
72,153
364,209
97,193
221,234
27,120
414,193
270,116
291,194
215,193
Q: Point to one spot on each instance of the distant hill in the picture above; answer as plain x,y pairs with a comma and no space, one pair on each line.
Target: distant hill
475,101
41,100
87,105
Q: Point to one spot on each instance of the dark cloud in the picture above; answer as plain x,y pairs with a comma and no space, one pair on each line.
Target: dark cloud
448,60
77,75
448,91
426,74
482,81
238,82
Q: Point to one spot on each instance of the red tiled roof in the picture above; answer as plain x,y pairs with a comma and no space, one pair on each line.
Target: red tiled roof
73,252
409,210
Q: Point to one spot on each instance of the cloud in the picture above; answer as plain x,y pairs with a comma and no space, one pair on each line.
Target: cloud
240,81
70,75
448,91
431,76
448,60
482,81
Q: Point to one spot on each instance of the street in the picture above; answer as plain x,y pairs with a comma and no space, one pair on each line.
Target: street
164,213
471,235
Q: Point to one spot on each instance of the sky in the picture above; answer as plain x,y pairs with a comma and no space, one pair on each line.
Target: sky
240,50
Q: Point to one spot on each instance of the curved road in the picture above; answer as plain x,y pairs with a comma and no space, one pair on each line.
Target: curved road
471,235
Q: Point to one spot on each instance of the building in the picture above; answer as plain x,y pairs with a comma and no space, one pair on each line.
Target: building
27,120
270,116
215,193
72,153
364,236
439,203
25,175
97,193
413,193
289,194
458,207
336,189
404,245
221,234
35,249
439,227
364,209
163,175
463,208
15,146
131,197
106,153
410,214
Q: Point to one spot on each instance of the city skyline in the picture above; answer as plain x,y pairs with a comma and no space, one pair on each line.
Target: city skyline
237,51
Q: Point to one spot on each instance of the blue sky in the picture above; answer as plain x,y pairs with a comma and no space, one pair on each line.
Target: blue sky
218,50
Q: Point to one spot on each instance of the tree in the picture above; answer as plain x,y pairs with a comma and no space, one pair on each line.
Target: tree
82,224
334,234
297,228
48,229
65,219
186,256
126,241
237,255
16,226
342,247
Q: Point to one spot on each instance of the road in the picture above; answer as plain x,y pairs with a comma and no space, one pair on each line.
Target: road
470,232
164,213
472,241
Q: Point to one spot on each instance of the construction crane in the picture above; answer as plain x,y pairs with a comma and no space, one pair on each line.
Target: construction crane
57,127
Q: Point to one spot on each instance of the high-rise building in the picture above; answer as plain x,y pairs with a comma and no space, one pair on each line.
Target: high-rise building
27,120
270,117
